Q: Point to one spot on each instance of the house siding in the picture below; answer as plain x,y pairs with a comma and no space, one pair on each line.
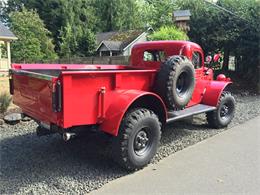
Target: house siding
127,51
103,48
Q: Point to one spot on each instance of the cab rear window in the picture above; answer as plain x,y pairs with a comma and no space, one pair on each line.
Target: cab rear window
154,56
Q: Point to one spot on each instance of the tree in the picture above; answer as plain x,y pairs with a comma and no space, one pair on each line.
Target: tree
214,28
61,15
117,15
2,13
234,29
168,33
158,13
33,42
57,15
76,36
76,44
72,23
245,35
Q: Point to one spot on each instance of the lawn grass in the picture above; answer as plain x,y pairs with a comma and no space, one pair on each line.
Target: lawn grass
4,88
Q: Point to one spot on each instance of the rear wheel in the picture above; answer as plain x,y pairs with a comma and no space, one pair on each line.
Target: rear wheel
138,139
225,111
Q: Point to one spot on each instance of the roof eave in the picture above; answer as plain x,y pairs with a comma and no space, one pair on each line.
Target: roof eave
8,38
99,45
134,41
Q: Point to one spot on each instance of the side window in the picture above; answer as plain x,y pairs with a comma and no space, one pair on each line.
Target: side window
154,56
196,59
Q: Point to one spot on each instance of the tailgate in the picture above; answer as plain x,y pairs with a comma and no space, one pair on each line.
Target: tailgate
37,95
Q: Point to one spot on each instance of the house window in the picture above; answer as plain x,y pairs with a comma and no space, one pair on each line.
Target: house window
155,55
196,59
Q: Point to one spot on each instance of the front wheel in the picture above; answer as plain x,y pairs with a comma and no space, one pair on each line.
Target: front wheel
138,139
225,111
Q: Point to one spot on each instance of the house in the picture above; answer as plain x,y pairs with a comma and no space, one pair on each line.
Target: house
6,36
119,43
181,19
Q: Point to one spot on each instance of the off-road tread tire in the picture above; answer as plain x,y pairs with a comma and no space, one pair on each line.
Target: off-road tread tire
212,117
120,143
165,78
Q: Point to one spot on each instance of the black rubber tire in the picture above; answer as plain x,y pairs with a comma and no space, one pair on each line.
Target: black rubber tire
167,79
135,122
215,119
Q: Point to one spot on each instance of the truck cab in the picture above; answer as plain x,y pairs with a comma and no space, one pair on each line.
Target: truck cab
153,55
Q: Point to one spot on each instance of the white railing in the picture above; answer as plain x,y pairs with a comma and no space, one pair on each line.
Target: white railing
3,64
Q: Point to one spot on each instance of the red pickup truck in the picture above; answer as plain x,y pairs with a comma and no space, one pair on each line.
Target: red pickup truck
165,81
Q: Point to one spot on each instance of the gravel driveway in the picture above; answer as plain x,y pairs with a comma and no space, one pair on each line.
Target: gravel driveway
47,165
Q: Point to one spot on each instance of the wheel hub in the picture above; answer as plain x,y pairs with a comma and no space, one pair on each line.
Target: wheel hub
141,141
224,111
182,85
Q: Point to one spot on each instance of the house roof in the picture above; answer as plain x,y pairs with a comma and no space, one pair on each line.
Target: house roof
5,33
113,45
117,41
181,13
104,36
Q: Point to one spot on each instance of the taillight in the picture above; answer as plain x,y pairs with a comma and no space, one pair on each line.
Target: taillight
56,97
11,83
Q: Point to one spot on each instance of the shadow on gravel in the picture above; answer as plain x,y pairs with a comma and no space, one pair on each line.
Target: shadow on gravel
30,160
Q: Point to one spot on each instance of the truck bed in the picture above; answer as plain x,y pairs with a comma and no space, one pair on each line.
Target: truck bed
68,95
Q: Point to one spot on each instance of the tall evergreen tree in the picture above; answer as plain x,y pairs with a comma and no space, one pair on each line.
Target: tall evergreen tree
34,43
117,14
158,13
76,35
236,30
57,15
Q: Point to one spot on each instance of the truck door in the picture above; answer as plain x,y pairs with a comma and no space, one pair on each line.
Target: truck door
200,77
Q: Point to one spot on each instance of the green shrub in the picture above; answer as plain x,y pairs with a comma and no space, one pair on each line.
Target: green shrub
168,33
5,100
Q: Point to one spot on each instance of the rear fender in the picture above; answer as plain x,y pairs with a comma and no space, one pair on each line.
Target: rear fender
213,92
123,100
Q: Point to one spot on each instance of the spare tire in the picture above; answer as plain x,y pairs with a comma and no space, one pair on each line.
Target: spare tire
175,82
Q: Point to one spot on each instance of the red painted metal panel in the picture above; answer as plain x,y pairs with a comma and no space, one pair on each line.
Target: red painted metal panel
202,80
213,92
169,47
34,96
82,92
120,101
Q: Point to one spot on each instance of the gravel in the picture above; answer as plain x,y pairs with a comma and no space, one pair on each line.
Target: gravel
47,165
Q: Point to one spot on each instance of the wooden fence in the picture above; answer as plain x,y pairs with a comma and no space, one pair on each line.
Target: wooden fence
124,60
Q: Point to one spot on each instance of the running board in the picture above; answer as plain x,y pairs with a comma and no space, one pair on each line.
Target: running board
197,109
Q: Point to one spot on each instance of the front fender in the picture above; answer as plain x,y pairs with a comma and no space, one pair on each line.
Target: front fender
122,100
213,92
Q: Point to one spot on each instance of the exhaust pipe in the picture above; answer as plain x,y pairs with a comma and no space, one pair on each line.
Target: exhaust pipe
67,136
